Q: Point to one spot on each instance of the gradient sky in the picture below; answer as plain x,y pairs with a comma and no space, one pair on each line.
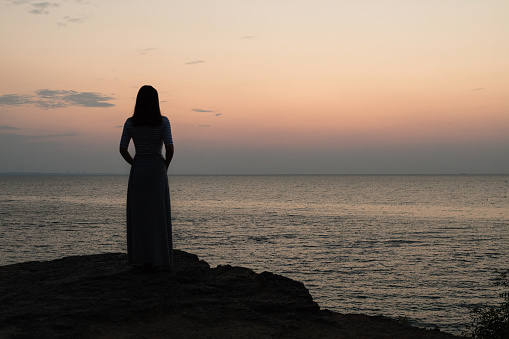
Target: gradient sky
259,87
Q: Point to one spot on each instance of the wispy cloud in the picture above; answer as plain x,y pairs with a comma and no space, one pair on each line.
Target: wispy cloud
146,50
248,37
72,20
477,89
196,62
47,136
30,133
8,128
203,125
48,99
38,137
47,7
15,100
42,7
87,99
199,110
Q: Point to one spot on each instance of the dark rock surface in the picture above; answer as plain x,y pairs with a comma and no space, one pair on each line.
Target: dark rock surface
99,296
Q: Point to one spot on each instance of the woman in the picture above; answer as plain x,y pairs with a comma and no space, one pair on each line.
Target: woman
149,238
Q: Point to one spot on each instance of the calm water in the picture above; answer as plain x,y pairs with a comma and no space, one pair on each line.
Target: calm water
422,247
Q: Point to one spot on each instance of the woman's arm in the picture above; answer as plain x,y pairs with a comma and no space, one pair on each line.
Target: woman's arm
125,154
169,154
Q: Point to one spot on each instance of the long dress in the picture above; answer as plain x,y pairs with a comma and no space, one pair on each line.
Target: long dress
149,229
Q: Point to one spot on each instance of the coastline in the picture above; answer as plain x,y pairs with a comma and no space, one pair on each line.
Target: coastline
100,296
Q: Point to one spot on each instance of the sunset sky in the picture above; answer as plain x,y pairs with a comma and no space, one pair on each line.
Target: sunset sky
259,87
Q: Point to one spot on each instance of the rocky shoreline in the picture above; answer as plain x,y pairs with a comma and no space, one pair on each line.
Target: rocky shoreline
100,296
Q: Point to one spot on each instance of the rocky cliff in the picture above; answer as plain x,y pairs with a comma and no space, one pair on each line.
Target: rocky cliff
99,296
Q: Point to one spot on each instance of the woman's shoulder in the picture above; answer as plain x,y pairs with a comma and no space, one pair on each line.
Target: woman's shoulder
165,120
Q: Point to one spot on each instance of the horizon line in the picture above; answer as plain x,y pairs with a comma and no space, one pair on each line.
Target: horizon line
253,174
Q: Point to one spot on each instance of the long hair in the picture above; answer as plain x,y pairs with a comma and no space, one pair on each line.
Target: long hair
147,110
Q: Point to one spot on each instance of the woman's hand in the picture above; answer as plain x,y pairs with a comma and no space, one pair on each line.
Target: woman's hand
125,154
169,155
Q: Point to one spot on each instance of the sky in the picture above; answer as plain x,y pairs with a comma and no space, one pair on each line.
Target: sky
259,87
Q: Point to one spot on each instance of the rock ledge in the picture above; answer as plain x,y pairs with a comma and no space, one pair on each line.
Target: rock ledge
99,296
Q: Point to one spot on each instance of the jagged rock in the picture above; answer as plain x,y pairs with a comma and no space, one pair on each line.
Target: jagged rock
100,296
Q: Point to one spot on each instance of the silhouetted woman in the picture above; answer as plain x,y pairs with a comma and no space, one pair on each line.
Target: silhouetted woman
149,238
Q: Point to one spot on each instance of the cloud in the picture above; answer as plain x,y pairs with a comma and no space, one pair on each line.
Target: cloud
203,125
19,2
146,50
477,89
15,100
49,94
199,110
88,99
196,62
28,137
248,37
46,7
68,19
46,136
8,128
42,7
21,133
48,99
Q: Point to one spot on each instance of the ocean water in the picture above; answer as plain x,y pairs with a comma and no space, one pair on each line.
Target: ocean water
420,247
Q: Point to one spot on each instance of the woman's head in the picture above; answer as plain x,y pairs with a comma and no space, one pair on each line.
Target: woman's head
147,110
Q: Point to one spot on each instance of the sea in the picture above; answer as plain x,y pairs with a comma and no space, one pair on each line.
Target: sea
422,249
